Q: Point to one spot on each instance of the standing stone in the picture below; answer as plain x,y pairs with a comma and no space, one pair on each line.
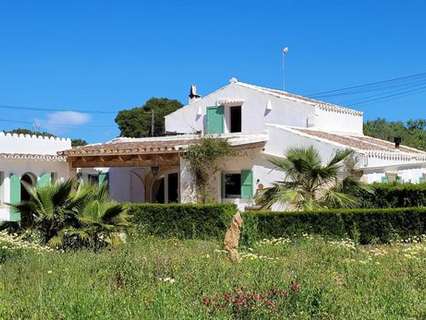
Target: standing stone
232,238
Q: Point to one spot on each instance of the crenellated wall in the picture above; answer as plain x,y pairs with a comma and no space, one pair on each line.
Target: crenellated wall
31,144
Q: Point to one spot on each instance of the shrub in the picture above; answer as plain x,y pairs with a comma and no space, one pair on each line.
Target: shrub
363,225
181,220
387,195
71,214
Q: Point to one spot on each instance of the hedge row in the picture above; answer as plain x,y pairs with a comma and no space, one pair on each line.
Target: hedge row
210,221
183,221
363,225
395,196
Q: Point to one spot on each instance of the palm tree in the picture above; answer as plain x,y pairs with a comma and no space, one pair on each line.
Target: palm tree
50,208
99,223
308,184
72,210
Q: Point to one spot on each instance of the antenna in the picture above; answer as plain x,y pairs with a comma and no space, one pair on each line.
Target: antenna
284,52
36,125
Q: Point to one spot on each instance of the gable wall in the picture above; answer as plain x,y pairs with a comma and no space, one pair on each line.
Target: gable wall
254,116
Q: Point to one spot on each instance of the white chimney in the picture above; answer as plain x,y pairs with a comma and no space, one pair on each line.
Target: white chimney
193,96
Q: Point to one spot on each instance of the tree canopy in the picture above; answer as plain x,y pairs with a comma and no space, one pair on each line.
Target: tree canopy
136,122
412,132
74,142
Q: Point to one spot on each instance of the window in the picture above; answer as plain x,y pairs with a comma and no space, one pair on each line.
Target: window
232,185
235,119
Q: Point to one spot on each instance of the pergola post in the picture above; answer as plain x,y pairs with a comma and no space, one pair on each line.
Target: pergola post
187,183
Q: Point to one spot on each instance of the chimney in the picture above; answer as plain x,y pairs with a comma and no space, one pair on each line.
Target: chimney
397,141
193,96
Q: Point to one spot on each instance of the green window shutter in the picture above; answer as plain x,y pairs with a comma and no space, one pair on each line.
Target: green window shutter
44,179
103,178
15,196
385,179
246,184
215,119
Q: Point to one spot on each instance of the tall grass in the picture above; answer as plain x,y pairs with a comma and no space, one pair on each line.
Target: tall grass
153,278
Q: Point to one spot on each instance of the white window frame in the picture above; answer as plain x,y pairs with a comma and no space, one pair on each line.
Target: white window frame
223,190
227,116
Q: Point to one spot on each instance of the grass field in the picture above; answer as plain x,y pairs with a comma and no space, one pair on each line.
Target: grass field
151,278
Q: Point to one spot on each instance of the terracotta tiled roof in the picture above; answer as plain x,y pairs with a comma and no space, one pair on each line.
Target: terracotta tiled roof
359,142
129,147
167,144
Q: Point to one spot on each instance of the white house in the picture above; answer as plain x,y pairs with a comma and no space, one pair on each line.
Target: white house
28,158
258,122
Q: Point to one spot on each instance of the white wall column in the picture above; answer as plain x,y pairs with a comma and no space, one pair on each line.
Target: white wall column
187,183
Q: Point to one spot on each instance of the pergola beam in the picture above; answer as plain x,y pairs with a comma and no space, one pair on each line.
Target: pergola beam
124,161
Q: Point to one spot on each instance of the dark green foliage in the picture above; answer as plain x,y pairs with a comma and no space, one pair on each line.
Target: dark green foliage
387,195
412,132
183,221
70,214
203,158
31,132
136,122
363,225
78,142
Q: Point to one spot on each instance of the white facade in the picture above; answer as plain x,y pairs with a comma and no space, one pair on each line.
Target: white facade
293,121
28,156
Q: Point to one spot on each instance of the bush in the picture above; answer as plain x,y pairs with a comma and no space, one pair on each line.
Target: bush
387,195
363,225
183,221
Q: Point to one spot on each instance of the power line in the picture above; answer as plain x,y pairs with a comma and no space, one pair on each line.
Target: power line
54,125
370,85
55,109
388,97
378,90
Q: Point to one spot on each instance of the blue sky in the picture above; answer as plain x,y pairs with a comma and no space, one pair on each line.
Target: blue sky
111,55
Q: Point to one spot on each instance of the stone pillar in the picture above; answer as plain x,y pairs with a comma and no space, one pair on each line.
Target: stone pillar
187,183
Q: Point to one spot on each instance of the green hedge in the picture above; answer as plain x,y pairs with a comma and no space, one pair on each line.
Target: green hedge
363,225
395,196
183,221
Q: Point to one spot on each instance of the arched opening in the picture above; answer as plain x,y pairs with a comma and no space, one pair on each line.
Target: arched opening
28,179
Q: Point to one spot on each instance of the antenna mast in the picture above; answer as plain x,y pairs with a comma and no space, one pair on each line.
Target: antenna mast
284,52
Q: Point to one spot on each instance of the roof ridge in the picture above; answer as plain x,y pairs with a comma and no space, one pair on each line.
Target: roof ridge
318,103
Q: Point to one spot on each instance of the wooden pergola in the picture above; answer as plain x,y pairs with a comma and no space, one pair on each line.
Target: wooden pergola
127,154
158,155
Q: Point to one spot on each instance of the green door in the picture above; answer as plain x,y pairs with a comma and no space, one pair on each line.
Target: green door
15,196
44,179
103,178
215,119
246,184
